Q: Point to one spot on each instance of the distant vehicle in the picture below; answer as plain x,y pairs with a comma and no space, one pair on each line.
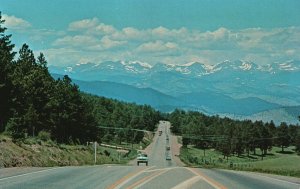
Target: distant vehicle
167,147
168,157
159,133
142,158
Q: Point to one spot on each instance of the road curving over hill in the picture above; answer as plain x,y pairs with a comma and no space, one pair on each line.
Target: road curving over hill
160,173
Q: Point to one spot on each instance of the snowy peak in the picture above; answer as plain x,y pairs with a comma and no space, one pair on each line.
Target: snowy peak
235,65
137,67
80,68
161,67
133,67
246,66
193,68
288,66
144,65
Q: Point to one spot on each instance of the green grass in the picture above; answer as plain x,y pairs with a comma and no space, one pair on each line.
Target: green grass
117,156
38,153
289,165
275,162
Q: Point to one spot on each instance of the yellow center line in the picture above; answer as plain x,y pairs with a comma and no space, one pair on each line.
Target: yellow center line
210,181
146,179
188,183
126,178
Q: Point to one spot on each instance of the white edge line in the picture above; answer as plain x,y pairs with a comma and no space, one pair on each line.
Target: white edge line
261,175
271,178
25,174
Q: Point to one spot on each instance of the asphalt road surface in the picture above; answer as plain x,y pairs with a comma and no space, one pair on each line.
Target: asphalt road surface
159,174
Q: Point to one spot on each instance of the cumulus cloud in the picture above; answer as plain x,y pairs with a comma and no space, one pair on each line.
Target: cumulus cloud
83,24
13,22
221,33
130,33
161,31
107,43
179,45
157,46
76,41
87,42
91,26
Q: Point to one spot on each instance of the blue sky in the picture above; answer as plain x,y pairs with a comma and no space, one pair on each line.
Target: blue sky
169,31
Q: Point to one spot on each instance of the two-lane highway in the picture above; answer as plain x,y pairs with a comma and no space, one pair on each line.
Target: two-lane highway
160,173
158,151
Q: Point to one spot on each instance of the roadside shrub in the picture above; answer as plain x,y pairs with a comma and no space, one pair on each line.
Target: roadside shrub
28,141
44,135
107,153
14,128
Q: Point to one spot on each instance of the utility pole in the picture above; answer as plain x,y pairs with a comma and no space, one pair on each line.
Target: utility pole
95,150
95,143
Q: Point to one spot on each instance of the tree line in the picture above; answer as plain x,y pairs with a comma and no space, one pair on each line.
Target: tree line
232,136
116,115
32,101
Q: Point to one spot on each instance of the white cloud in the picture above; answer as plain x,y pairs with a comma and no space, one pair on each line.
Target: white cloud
130,33
87,42
180,45
91,26
157,46
219,34
101,41
160,31
76,41
103,29
171,45
13,22
107,43
168,34
83,24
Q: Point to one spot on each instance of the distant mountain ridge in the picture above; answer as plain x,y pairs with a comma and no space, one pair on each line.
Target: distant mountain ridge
126,93
236,88
188,68
209,103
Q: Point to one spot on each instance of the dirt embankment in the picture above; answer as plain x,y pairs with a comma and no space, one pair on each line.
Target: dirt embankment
45,154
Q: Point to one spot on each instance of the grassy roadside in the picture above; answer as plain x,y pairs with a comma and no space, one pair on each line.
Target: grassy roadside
39,153
43,152
275,162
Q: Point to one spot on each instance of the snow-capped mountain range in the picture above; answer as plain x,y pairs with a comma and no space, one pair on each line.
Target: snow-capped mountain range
192,68
241,82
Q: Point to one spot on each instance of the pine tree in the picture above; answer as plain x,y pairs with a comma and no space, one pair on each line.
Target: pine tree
283,136
6,59
297,141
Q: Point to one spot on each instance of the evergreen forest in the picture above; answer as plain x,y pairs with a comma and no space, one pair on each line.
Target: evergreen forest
34,103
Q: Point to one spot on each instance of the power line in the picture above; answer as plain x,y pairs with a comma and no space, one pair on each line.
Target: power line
224,137
127,129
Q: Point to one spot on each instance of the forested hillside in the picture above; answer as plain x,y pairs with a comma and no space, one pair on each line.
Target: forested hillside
231,136
33,103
